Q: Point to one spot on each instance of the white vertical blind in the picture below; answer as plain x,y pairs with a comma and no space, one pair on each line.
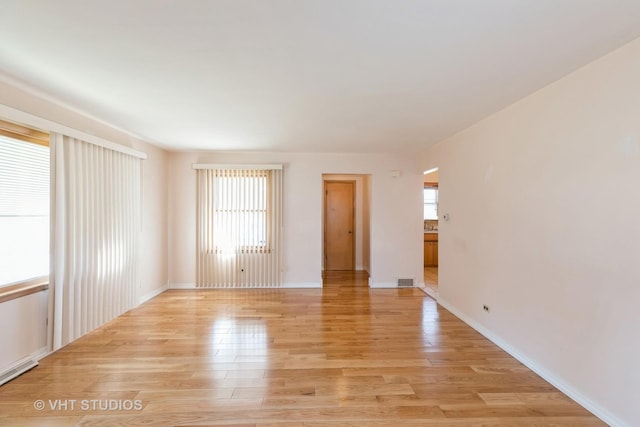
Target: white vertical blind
24,210
239,224
96,218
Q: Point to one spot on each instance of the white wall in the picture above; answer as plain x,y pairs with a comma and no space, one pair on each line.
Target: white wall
154,265
544,200
395,223
30,339
155,235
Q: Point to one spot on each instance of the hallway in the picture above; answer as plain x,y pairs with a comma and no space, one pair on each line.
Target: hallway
431,279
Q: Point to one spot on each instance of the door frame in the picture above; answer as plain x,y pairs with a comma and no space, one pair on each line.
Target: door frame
324,220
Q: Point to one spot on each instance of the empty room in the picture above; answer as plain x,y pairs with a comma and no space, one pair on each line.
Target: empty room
319,213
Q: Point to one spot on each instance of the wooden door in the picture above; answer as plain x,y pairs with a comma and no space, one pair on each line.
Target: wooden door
339,239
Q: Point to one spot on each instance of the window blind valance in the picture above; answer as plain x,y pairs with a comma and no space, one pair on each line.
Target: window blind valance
227,166
18,116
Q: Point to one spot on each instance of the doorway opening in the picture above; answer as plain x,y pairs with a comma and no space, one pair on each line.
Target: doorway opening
430,217
345,225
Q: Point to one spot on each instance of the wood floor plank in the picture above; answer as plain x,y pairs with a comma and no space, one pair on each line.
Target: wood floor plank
346,355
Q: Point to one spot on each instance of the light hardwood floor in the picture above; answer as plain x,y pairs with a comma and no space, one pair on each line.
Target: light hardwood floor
345,355
431,280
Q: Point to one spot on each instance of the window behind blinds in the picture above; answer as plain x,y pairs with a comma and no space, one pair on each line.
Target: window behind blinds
240,204
24,210
239,226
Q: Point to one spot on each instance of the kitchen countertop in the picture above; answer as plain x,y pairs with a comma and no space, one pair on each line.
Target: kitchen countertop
430,231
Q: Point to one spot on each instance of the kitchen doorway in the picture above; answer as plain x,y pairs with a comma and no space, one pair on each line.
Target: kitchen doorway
430,236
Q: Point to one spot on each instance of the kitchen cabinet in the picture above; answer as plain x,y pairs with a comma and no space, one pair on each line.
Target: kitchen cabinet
430,249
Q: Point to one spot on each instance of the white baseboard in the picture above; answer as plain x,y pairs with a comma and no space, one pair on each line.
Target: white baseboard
551,377
40,354
429,291
23,365
383,285
289,285
154,293
182,286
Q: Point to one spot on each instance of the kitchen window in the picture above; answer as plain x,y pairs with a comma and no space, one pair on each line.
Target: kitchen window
430,196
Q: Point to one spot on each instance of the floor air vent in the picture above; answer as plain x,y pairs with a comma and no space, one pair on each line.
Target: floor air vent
17,371
405,283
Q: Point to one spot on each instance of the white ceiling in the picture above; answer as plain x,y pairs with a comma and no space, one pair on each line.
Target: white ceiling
302,75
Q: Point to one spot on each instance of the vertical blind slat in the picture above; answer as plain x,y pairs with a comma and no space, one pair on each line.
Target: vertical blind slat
96,236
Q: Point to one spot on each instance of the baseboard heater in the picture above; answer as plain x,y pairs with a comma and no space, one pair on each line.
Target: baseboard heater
17,370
